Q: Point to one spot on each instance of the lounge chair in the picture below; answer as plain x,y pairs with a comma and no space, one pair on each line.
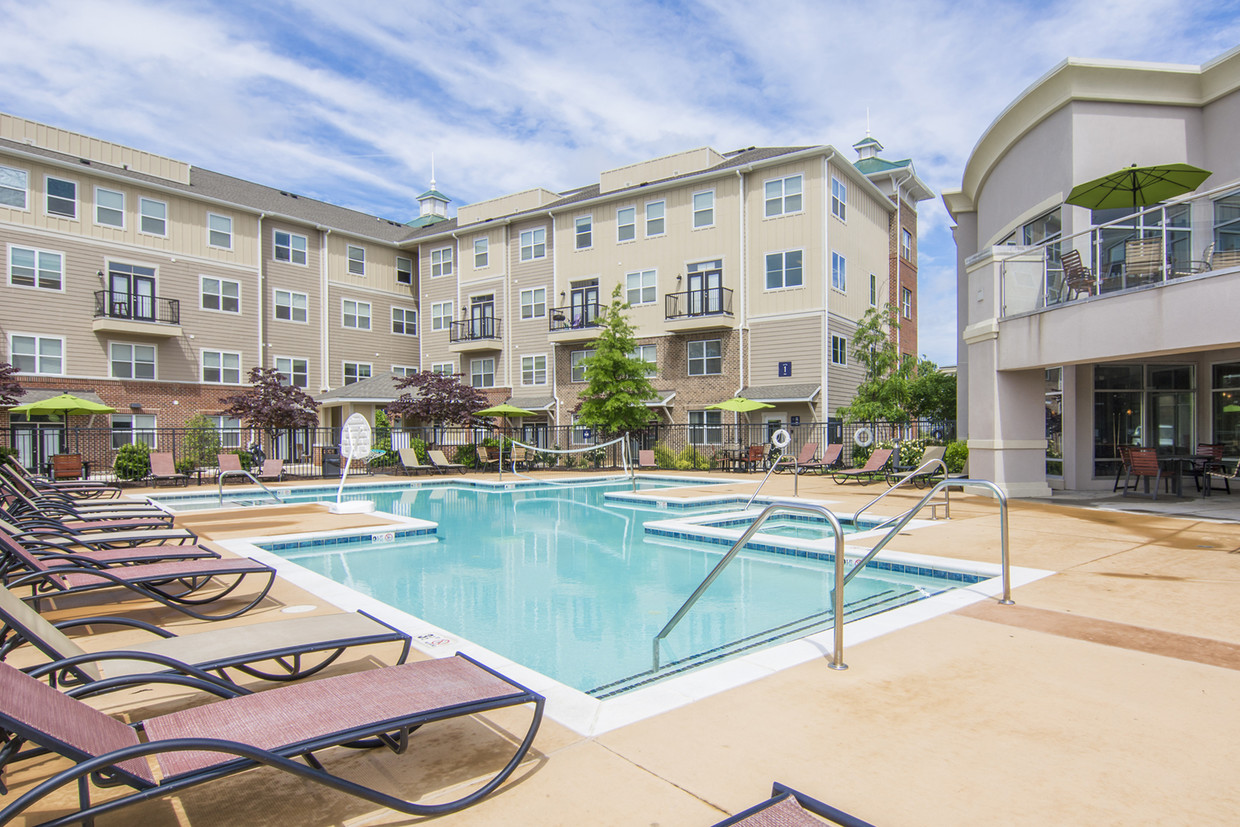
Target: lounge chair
409,463
20,499
874,468
441,462
645,459
228,462
803,460
485,460
48,531
271,728
272,470
163,469
924,478
788,808
87,489
90,554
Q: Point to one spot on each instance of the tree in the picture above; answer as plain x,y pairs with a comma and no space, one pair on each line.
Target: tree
10,388
438,397
883,393
272,405
931,393
202,441
614,400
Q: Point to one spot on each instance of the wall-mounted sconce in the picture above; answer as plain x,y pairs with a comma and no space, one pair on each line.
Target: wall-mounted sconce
561,297
678,278
135,406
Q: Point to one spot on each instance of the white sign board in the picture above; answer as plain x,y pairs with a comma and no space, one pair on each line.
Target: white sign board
355,437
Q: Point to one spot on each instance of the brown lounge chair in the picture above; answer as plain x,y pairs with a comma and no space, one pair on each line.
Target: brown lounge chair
932,453
272,728
788,808
645,459
441,462
229,462
409,462
163,469
82,488
272,470
874,468
485,460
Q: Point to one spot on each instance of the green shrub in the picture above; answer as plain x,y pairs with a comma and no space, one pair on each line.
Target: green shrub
419,448
201,444
663,456
185,466
956,456
6,451
133,462
466,455
691,460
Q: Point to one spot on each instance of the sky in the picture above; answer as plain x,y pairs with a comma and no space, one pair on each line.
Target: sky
349,101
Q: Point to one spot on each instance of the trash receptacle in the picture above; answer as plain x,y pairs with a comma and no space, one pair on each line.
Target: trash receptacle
331,461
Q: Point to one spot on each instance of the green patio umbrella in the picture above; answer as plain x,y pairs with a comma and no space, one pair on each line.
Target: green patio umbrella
66,404
1134,186
739,404
504,410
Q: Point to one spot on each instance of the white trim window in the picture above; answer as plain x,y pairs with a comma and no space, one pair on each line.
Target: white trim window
784,269
357,259
839,198
583,232
296,372
783,195
441,315
219,231
221,367
534,303
14,187
356,372
133,429
656,218
906,302
482,252
705,427
482,373
61,198
221,295
229,429
650,355
404,321
109,208
839,350
42,269
40,355
404,270
441,262
906,244
703,209
626,224
576,365
533,244
404,371
640,287
444,368
354,314
839,272
289,247
291,306
705,357
153,217
873,290
534,370
130,361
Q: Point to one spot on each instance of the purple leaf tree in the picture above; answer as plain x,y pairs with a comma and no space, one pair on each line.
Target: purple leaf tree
10,388
438,397
273,405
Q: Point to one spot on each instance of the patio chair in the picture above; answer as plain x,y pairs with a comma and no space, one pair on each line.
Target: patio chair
441,462
1143,464
229,462
875,467
830,459
67,467
1234,476
272,470
51,532
1208,462
804,458
409,463
788,808
73,488
645,459
924,478
485,460
1225,259
163,469
1077,278
1125,466
1142,261
271,728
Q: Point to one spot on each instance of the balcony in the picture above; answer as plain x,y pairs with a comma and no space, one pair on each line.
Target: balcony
708,308
475,334
577,323
131,314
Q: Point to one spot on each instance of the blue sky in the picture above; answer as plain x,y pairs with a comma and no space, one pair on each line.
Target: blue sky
347,102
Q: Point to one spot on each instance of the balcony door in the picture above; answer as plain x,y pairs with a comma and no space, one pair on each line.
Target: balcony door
132,292
705,288
482,317
584,301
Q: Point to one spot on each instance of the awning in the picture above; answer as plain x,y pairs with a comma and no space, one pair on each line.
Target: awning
533,403
663,401
775,394
377,390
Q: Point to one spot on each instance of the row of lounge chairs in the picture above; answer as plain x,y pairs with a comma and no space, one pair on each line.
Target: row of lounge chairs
439,463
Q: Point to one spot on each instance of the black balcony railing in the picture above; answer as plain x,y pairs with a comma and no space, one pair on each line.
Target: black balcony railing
707,301
471,330
576,317
111,305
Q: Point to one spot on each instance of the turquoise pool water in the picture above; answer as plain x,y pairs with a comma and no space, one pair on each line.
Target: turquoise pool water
559,581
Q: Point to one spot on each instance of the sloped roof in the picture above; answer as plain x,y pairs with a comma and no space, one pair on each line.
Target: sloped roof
379,389
532,403
804,392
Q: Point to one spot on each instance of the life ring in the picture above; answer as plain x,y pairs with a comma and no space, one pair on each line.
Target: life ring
780,439
937,433
864,437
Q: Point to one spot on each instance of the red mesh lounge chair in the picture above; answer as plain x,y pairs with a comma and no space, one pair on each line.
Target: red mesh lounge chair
788,808
875,467
163,469
803,459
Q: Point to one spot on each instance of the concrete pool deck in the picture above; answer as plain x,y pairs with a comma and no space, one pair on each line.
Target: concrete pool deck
1106,695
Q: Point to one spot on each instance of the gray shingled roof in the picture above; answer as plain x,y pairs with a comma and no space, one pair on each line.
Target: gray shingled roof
532,403
782,393
379,388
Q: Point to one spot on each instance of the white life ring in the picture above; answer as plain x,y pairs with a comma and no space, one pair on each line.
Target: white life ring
864,437
781,438
937,433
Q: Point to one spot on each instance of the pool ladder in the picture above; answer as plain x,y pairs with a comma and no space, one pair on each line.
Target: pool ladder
253,478
841,577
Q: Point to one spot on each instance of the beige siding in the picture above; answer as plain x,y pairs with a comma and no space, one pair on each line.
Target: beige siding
286,338
378,347
863,240
843,379
794,231
92,149
796,339
432,291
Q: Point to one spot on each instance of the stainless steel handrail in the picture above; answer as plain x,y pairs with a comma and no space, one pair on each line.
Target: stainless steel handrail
837,594
917,472
270,493
771,470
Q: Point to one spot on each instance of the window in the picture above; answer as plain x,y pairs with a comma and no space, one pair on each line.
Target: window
404,270
221,294
906,302
583,230
404,321
640,287
109,207
443,368
649,355
533,370
703,209
533,245
482,252
655,213
221,366
153,217
356,372
290,306
534,303
705,358
14,184
289,247
839,350
1226,219
873,290
482,373
1226,420
441,315
219,231
1054,422
404,371
355,314
783,196
783,270
133,429
229,429
132,361
1147,405
839,274
839,198
441,262
357,259
37,354
576,365
906,245
36,268
626,224
705,427
61,197
296,372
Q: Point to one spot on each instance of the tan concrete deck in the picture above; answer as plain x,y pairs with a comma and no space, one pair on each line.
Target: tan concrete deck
1107,695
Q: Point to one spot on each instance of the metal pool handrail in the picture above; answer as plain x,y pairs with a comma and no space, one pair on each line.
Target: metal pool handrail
795,477
927,465
270,493
837,661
